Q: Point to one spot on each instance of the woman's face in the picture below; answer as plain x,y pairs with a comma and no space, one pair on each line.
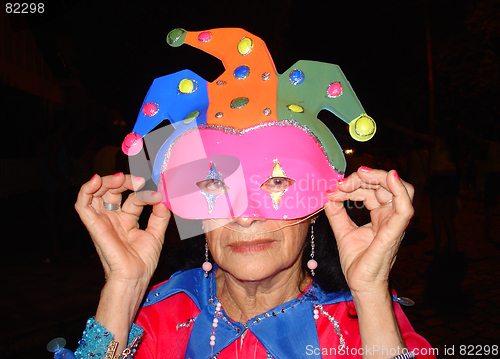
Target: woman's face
245,247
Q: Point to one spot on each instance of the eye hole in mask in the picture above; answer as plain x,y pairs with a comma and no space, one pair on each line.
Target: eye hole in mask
213,186
277,184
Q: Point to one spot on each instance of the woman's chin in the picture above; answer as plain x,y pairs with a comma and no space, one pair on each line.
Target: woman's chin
256,269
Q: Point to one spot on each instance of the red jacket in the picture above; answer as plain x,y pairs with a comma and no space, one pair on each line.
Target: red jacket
177,321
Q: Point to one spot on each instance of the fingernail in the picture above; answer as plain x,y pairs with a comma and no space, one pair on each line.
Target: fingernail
118,174
396,174
330,191
137,178
342,180
94,176
365,169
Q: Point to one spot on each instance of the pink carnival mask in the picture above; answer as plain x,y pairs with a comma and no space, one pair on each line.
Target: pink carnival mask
248,144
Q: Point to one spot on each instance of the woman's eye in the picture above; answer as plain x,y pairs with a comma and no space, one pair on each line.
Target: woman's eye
213,186
277,184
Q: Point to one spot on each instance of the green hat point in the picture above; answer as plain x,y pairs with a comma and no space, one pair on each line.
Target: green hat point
176,37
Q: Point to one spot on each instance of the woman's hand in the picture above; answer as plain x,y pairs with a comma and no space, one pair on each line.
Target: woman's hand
126,252
367,253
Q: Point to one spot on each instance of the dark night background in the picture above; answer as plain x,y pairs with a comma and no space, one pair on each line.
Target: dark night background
93,61
113,50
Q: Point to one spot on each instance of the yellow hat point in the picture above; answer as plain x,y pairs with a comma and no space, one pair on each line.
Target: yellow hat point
187,86
362,128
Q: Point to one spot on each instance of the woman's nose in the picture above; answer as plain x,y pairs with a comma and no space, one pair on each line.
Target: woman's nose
246,221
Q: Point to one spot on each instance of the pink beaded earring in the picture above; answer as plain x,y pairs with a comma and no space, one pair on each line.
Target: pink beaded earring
312,264
207,266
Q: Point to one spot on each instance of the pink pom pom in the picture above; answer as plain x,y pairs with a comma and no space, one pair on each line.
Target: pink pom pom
207,266
312,264
132,144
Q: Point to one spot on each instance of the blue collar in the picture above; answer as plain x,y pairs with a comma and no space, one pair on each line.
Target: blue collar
284,331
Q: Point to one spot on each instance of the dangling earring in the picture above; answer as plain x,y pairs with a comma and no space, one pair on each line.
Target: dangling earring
312,264
207,266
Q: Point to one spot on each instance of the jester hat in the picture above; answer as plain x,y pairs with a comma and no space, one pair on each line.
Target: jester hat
248,144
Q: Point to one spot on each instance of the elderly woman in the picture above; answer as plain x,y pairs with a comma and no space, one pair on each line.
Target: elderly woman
250,160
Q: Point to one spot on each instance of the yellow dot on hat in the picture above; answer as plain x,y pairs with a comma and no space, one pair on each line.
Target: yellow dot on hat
245,46
187,86
295,108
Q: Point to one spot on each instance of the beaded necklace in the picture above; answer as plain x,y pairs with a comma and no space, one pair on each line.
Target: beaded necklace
307,296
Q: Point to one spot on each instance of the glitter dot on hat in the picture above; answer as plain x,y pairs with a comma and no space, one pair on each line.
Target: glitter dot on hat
241,72
132,144
239,102
205,36
150,109
245,46
191,117
187,86
296,77
295,108
334,90
176,37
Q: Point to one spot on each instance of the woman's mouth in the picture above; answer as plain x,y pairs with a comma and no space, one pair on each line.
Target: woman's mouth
251,246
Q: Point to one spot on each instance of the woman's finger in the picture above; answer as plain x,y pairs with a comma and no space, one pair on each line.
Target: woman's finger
86,195
354,181
113,187
378,177
390,227
364,178
372,198
137,200
110,182
158,221
362,187
86,205
403,209
336,213
370,186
